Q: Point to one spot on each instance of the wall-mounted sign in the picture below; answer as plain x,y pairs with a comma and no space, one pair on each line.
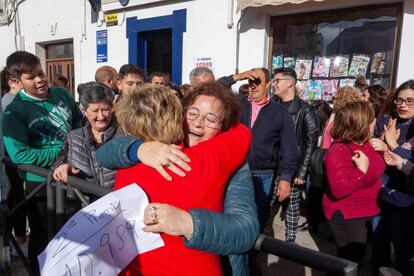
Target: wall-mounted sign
102,46
204,62
123,2
111,19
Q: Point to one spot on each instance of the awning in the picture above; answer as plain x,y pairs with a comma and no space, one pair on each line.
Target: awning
242,4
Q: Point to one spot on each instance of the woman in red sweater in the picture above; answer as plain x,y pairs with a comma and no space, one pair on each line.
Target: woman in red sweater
153,113
353,170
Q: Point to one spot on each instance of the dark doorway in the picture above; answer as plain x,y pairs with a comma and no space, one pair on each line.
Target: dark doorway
168,30
158,54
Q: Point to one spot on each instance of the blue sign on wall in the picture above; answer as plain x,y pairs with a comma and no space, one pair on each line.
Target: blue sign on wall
102,46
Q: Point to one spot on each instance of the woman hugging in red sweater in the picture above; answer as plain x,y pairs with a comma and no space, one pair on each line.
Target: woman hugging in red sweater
218,145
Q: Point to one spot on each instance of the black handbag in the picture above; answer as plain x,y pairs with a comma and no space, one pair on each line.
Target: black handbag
317,169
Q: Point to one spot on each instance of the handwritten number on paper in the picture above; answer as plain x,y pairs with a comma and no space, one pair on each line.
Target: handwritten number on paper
120,232
105,240
62,244
80,264
130,225
67,271
71,224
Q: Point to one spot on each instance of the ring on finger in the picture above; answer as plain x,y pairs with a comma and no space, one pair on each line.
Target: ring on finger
154,215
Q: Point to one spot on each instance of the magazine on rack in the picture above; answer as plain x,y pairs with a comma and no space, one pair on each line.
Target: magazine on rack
346,82
300,89
289,62
378,63
303,68
359,65
277,62
313,90
339,66
316,89
321,67
329,89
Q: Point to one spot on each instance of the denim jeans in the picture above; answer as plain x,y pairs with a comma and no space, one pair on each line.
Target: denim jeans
263,191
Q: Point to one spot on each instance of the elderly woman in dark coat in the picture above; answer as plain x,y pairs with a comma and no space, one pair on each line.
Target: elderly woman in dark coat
78,154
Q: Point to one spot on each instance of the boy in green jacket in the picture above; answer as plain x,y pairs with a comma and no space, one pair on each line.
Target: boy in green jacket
35,125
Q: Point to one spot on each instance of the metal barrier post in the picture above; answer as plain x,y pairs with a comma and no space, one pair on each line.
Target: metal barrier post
21,255
60,205
4,243
307,257
51,207
29,196
80,197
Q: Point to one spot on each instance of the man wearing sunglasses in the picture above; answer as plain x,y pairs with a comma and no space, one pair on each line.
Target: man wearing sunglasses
273,154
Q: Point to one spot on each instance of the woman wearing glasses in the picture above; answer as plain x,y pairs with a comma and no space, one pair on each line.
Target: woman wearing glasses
218,145
395,225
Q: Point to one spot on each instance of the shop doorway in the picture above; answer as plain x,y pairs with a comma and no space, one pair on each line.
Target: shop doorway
158,50
59,61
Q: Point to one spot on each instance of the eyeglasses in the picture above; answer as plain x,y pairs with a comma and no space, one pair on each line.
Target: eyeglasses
276,81
210,120
408,101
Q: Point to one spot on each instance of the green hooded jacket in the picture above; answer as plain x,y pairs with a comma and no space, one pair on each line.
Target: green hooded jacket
34,129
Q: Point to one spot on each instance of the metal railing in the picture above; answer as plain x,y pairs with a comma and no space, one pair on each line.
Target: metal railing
55,192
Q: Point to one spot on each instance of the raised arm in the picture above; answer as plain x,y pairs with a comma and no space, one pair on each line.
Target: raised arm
125,151
114,154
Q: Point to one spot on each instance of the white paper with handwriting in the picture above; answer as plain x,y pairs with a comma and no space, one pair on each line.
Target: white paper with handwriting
102,238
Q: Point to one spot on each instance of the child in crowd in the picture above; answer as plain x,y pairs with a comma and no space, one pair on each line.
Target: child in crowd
35,125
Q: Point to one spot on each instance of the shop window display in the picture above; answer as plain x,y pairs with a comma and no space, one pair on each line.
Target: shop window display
331,49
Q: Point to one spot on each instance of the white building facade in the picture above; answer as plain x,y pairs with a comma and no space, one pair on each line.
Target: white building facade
176,36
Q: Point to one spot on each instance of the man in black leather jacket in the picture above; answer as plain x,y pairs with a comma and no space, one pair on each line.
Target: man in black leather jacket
284,87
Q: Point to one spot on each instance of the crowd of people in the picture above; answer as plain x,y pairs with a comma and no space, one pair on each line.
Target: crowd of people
214,164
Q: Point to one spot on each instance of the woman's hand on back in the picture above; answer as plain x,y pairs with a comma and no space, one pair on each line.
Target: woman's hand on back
157,155
165,218
361,161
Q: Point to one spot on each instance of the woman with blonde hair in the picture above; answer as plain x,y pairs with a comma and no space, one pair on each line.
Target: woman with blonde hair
353,170
343,96
218,145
